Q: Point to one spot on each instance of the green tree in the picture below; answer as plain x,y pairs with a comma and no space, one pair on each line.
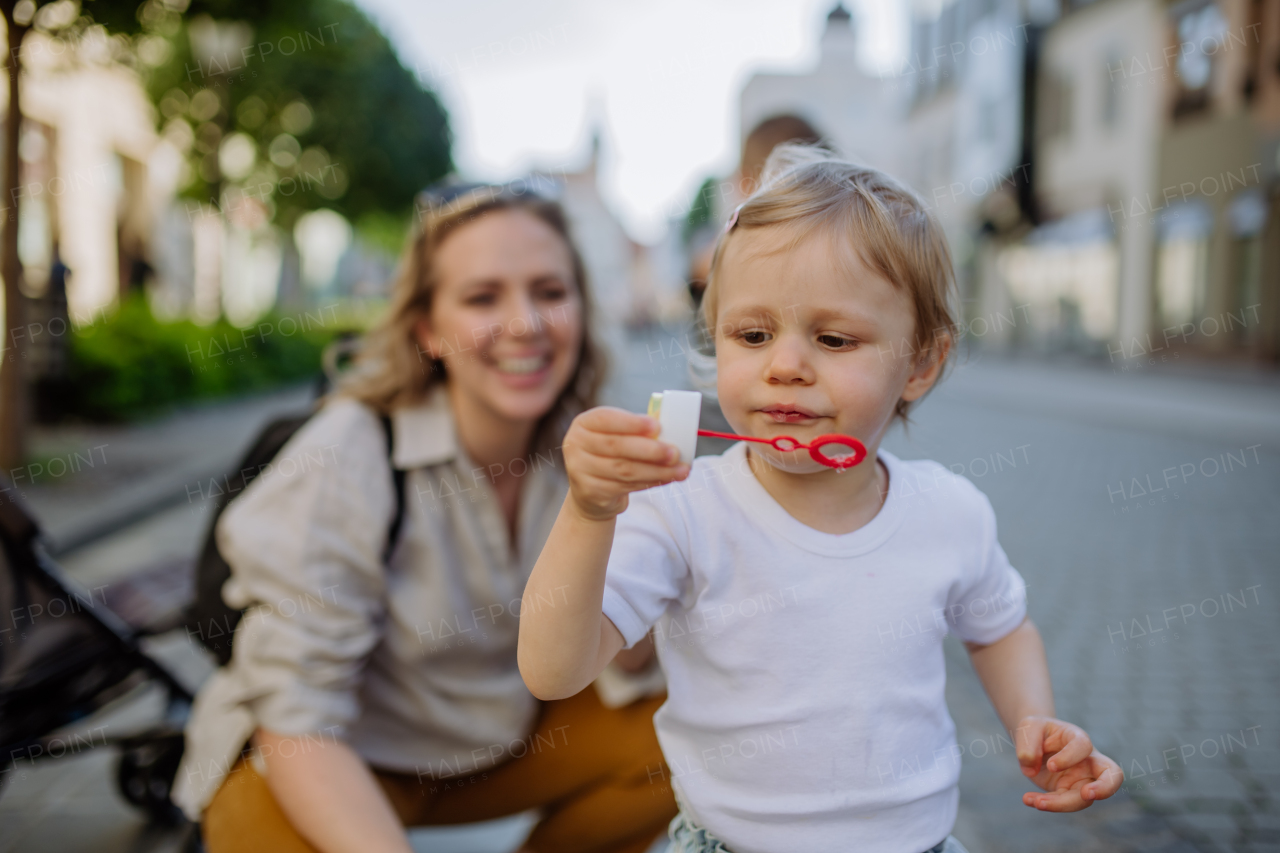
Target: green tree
310,88
700,210
294,106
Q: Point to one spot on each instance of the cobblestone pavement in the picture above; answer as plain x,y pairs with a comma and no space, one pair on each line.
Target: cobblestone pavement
1149,551
1140,509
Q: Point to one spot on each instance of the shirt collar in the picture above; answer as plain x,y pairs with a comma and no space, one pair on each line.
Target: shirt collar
424,433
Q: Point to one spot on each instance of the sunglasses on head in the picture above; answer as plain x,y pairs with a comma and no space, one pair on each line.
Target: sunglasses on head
445,194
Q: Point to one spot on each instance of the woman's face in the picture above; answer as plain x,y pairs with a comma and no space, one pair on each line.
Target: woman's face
506,315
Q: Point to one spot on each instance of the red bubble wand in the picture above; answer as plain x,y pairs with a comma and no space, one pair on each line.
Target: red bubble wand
677,413
786,444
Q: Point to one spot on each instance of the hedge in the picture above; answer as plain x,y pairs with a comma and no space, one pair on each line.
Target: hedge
130,364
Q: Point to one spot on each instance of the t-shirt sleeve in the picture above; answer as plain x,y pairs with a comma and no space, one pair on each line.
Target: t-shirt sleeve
647,570
993,600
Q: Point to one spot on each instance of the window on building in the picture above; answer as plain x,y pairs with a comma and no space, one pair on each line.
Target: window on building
989,110
1199,31
1067,273
1254,65
1055,106
1247,216
925,77
1110,93
1182,262
949,30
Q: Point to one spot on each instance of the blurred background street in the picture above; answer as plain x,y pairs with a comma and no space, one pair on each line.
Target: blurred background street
203,196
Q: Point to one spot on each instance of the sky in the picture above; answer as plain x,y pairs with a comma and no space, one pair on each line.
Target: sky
525,83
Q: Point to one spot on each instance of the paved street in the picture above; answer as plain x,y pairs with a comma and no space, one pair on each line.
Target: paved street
1141,510
1149,552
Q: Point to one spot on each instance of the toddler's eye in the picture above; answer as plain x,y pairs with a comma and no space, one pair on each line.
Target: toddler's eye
754,337
836,341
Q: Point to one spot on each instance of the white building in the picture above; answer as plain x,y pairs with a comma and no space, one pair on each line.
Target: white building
86,143
962,138
962,80
606,249
948,122
1158,124
630,283
1098,143
858,113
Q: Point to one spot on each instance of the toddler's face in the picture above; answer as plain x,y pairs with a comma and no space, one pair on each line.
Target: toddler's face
811,341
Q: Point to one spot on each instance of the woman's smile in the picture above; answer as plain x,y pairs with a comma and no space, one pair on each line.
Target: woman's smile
522,371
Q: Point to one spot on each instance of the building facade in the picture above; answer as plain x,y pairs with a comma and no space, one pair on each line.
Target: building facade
1156,177
858,113
87,197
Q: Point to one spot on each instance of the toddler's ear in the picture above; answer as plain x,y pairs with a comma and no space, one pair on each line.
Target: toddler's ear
927,367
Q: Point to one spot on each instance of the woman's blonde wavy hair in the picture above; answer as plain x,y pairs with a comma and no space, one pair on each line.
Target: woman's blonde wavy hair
391,370
808,187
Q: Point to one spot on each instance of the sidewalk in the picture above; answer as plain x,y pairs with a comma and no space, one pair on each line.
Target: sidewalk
87,480
1195,401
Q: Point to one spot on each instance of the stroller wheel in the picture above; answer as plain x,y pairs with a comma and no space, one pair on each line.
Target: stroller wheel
145,774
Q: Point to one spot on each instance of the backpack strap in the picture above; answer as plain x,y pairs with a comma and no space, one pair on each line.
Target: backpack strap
398,475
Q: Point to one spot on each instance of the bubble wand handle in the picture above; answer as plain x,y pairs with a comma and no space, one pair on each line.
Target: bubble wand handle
786,444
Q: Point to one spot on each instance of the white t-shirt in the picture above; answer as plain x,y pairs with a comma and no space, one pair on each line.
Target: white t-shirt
805,669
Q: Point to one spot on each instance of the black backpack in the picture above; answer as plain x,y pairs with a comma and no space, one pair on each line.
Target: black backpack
209,619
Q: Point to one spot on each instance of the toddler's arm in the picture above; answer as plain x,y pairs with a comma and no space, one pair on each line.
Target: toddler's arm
565,644
1015,673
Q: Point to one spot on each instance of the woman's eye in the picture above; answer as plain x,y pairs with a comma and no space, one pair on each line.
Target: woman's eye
553,294
836,341
481,299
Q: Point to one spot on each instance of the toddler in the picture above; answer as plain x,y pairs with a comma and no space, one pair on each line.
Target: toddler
800,610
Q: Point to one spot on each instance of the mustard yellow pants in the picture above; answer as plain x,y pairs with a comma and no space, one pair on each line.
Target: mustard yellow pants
602,788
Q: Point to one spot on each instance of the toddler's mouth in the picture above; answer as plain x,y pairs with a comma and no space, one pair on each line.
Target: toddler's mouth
789,414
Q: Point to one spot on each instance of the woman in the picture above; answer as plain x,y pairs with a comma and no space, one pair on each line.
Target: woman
373,684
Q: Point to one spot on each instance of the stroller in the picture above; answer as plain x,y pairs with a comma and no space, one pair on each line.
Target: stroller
63,656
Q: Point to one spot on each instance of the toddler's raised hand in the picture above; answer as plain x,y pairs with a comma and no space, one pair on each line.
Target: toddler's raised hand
1060,758
610,453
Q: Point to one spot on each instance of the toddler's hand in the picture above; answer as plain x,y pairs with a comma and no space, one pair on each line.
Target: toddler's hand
610,453
1074,774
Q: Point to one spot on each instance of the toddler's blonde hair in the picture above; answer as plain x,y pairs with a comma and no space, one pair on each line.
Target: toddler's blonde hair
807,187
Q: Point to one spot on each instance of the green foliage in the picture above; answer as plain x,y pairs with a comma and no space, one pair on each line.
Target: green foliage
384,231
130,364
700,211
334,118
120,17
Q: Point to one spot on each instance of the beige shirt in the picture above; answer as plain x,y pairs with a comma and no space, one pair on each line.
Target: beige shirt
413,663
